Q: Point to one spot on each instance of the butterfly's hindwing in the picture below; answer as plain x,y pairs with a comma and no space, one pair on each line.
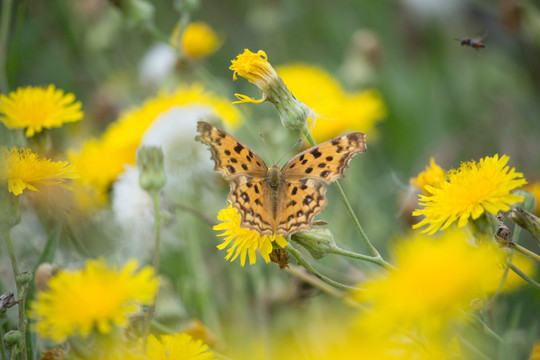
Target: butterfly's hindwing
299,203
250,196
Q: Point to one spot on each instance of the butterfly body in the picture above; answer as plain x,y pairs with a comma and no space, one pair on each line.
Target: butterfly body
282,201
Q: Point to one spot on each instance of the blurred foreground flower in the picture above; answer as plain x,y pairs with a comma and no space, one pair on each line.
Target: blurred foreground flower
35,108
245,241
100,161
257,70
177,346
336,110
96,298
470,191
197,41
22,169
434,285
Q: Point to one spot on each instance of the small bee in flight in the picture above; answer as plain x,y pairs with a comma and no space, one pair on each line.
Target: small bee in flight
474,43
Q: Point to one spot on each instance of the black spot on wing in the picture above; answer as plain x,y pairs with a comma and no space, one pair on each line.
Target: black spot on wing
309,170
321,165
227,152
231,169
244,166
316,153
238,148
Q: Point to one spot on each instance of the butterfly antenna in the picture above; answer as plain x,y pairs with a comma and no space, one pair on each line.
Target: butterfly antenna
292,147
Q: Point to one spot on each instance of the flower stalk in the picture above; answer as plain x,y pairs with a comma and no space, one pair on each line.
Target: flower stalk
5,23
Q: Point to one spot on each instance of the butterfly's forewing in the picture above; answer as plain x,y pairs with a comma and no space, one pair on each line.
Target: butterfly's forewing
326,161
231,157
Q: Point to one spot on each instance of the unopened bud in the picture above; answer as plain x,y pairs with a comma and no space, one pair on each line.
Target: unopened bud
24,278
44,273
152,175
527,221
12,338
318,242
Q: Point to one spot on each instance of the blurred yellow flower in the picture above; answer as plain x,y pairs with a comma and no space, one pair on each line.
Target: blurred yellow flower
178,347
435,282
198,40
534,188
432,176
469,191
96,298
100,161
22,169
245,241
336,110
36,108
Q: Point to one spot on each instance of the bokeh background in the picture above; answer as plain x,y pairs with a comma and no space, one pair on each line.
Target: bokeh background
442,100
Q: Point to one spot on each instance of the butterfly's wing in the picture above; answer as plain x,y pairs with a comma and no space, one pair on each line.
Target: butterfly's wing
326,161
251,197
300,201
246,170
231,157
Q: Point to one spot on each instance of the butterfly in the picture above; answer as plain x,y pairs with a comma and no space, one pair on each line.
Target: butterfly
278,201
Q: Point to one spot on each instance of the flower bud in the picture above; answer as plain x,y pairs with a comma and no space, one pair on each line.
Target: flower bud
318,242
150,162
12,338
527,221
24,278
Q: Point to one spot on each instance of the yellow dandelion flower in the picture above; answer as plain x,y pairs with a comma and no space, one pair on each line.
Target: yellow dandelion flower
96,298
198,40
36,108
256,69
22,169
336,110
177,346
433,176
435,282
100,161
468,192
245,241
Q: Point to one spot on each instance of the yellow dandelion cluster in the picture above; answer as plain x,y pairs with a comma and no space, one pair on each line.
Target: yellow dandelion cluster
244,241
336,110
100,161
95,298
468,192
36,108
22,169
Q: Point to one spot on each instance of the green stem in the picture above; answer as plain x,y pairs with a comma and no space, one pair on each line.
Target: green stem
349,208
5,22
376,260
524,276
21,294
296,254
472,348
526,252
157,214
